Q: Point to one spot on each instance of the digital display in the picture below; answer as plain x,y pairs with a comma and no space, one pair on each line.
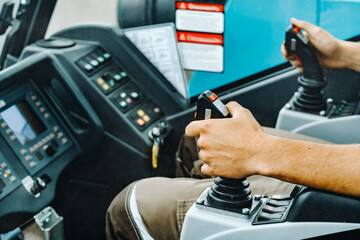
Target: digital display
23,121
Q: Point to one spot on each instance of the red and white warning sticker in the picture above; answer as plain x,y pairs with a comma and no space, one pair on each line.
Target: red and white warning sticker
199,21
200,6
203,57
206,38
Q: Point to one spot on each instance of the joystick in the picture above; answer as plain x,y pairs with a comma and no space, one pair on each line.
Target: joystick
225,193
310,95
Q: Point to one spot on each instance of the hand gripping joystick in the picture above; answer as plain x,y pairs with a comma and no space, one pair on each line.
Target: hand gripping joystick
225,193
310,96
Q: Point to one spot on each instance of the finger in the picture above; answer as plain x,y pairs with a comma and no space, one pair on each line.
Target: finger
206,169
284,52
234,108
193,129
295,63
308,27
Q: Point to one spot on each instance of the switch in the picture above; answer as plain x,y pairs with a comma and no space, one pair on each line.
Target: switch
100,81
64,140
23,151
105,86
123,74
117,77
140,112
94,63
123,104
271,209
112,83
140,122
134,95
107,56
28,158
146,118
12,179
3,165
128,100
100,59
39,155
269,216
276,203
123,95
32,164
50,150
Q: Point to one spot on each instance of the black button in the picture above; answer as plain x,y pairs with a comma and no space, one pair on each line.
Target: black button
39,155
51,149
269,216
271,209
276,203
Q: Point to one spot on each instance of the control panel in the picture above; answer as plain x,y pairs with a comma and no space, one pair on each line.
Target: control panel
116,83
30,129
8,178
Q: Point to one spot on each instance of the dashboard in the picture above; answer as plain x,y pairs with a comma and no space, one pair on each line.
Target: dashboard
82,99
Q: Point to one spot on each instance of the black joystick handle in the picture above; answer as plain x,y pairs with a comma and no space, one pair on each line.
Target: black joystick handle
310,96
225,193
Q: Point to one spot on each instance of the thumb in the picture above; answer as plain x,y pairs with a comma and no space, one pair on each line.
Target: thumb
234,108
308,27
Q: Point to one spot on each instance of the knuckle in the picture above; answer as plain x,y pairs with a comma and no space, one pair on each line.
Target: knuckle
203,156
205,126
201,142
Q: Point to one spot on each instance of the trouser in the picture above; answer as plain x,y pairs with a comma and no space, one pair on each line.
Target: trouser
155,208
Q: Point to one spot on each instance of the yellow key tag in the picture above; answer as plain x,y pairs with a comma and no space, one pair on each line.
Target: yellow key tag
155,154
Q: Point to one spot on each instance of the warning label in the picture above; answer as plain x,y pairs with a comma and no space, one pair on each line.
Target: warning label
206,38
200,21
203,57
200,6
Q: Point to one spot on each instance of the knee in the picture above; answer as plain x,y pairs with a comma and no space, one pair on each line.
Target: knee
118,225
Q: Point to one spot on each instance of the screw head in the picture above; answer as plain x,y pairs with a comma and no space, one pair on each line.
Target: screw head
245,211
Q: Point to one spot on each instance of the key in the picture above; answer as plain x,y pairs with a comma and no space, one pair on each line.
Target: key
155,152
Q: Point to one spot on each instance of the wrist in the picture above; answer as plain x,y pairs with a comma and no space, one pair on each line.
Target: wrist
350,55
267,164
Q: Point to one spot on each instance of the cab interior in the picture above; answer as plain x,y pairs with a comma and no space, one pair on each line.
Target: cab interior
91,140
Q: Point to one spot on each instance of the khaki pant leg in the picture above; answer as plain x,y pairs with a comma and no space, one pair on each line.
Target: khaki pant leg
119,222
163,202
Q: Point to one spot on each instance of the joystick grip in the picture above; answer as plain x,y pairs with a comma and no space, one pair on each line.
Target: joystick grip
309,97
225,193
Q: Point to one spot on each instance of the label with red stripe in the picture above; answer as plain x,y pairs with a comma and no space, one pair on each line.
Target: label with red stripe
206,38
200,6
199,21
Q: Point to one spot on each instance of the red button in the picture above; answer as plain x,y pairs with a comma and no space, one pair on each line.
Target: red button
140,122
296,30
213,97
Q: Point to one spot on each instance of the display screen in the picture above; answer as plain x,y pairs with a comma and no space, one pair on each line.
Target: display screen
22,120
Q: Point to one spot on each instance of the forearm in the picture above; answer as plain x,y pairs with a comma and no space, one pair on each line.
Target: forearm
331,167
351,55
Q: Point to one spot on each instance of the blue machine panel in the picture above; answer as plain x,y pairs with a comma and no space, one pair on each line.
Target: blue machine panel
254,32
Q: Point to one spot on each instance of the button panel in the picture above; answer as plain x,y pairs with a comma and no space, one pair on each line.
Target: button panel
145,114
8,178
127,97
111,78
114,81
47,140
274,210
93,61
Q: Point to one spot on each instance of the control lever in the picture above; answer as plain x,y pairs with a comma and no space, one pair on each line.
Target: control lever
34,187
225,193
310,95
